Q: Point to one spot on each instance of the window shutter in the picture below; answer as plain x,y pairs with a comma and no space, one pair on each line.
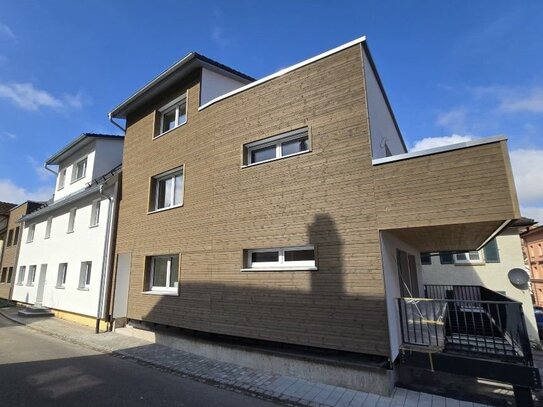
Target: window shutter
491,252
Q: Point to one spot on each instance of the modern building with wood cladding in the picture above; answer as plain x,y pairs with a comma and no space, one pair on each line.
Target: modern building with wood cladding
288,209
11,245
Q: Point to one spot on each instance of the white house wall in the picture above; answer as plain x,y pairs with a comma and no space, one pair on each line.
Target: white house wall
382,127
69,187
109,153
389,246
490,275
214,85
84,244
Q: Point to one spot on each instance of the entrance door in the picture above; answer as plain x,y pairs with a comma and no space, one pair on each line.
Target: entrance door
41,284
407,273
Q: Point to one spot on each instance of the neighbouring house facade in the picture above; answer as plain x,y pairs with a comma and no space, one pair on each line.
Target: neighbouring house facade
288,208
532,244
11,246
65,254
488,267
5,208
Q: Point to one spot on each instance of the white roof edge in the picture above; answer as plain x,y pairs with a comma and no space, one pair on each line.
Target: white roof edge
436,150
284,71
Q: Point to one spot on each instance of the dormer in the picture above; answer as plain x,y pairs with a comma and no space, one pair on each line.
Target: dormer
179,92
84,159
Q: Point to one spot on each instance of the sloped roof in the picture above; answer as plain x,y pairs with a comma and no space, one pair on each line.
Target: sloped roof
5,207
78,143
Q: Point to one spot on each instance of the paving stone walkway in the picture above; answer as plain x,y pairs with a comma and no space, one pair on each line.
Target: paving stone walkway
284,390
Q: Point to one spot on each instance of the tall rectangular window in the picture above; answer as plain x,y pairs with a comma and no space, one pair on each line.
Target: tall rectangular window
174,114
492,254
61,179
4,275
61,276
30,236
85,275
163,273
71,220
10,275
16,236
79,170
282,145
167,190
48,226
31,275
21,277
10,238
95,213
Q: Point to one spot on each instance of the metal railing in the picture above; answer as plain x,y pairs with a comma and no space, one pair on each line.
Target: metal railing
466,319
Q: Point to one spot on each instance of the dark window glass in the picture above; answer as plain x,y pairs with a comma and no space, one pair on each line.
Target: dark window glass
491,252
10,237
264,257
10,274
262,154
446,258
16,236
4,275
294,146
174,270
425,258
160,270
299,255
168,121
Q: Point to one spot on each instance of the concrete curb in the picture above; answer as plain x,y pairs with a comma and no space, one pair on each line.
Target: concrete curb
154,364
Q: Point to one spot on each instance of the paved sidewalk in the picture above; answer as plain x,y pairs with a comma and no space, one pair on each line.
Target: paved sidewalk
281,389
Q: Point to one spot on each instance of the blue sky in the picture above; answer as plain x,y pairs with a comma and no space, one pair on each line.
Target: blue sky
453,71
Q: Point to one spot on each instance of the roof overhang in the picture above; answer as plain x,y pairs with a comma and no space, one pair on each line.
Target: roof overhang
177,72
77,144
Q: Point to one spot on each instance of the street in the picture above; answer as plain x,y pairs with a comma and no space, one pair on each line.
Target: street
38,370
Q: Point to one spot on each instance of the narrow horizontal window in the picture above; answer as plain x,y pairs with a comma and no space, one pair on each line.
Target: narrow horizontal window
167,190
279,146
472,257
281,258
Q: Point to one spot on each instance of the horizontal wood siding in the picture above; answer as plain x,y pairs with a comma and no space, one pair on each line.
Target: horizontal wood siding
324,198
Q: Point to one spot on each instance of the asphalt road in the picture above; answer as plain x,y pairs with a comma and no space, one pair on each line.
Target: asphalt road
38,370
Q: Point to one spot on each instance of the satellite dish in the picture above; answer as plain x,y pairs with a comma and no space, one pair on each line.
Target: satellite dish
518,276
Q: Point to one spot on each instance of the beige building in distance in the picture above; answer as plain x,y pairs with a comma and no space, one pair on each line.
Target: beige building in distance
532,241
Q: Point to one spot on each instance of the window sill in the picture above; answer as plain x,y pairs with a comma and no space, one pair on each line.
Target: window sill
169,131
164,209
75,180
469,263
93,226
69,231
280,269
82,288
60,287
163,292
276,159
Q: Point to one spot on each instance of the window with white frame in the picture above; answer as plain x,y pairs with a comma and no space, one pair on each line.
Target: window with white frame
302,257
85,275
48,227
30,236
163,273
80,169
280,146
473,257
61,179
21,276
173,115
61,275
31,275
71,220
167,190
95,213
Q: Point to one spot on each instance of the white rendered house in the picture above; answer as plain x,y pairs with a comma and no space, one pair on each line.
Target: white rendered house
66,251
488,268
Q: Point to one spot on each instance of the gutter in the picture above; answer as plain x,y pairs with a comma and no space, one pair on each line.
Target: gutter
49,169
110,116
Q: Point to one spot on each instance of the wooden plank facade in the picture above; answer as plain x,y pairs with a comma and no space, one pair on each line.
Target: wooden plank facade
331,197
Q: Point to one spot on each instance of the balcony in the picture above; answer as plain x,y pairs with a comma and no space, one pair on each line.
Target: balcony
468,330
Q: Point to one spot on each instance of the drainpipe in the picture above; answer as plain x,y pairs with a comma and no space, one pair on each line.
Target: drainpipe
105,257
115,123
49,169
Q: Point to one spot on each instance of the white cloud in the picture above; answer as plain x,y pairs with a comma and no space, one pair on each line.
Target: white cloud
433,142
9,192
531,101
454,119
7,32
28,97
527,165
39,169
6,135
533,212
